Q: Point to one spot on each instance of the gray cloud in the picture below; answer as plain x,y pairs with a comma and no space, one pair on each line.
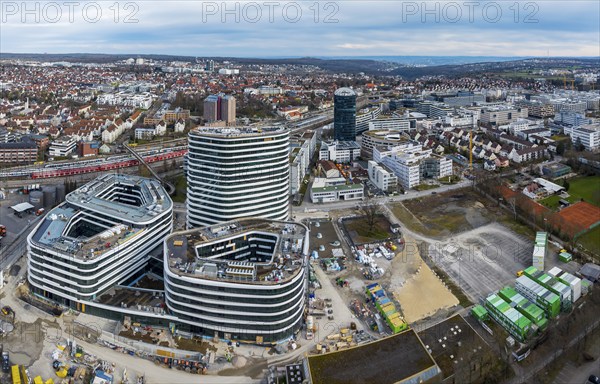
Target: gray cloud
342,28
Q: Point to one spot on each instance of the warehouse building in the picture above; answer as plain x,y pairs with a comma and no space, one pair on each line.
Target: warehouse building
401,358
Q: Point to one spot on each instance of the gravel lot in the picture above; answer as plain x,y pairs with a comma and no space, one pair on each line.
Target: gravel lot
487,258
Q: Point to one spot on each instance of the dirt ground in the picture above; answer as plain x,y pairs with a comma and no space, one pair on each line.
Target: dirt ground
443,214
422,294
328,236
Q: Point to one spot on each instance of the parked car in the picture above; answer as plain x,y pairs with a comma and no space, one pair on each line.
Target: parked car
5,362
594,379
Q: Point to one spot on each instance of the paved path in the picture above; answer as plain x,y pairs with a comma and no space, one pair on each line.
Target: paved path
156,374
570,374
383,199
343,318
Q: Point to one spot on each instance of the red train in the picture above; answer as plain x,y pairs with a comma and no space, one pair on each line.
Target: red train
48,173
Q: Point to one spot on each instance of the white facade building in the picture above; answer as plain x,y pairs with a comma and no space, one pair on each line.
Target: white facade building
366,115
62,147
393,123
240,280
329,190
339,151
588,134
98,238
385,138
413,165
382,178
142,100
144,133
299,165
467,121
237,172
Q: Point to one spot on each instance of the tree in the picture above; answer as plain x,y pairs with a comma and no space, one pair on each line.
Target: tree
560,148
370,209
513,204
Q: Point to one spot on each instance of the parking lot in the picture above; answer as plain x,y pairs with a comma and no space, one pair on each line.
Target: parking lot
13,223
486,259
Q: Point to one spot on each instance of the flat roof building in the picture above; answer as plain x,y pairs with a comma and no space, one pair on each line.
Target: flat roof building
329,190
401,358
18,152
339,151
237,172
98,238
241,280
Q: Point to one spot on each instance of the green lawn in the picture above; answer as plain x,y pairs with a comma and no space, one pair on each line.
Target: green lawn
587,188
552,201
405,216
434,223
591,242
359,230
180,189
522,229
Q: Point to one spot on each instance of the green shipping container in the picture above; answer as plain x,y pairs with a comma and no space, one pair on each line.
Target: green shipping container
480,313
565,257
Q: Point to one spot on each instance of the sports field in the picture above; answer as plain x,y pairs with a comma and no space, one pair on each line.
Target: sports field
586,188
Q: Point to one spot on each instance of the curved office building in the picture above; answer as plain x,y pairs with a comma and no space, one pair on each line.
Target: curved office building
99,237
244,279
365,116
344,114
237,172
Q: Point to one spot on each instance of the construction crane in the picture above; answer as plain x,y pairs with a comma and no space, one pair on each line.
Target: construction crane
572,83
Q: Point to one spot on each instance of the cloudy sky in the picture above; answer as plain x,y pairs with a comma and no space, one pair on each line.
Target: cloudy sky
272,28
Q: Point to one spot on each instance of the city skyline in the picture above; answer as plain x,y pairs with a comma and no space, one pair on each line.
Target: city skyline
250,29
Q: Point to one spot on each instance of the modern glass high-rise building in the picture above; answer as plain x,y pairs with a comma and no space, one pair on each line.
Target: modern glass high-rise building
237,172
344,114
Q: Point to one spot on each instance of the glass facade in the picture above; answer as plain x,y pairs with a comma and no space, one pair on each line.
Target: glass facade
344,114
232,176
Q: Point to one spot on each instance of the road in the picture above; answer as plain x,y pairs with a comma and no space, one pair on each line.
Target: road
346,204
156,374
570,374
10,253
341,311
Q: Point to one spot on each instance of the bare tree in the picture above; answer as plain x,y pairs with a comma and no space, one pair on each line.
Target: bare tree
513,204
370,209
